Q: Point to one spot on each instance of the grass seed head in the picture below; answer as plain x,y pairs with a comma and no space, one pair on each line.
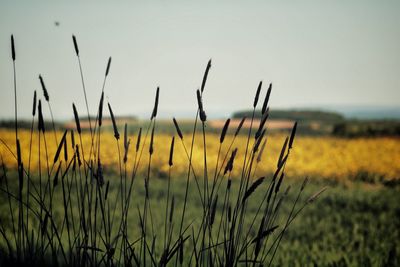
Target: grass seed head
75,45
114,123
253,188
60,145
203,83
257,94
78,155
138,139
100,173
107,188
45,93
125,135
316,195
292,135
77,121
151,148
12,48
155,109
40,114
266,99
108,66
229,165
213,210
178,130
127,142
283,151
305,182
203,116
34,104
171,152
224,130
240,126
55,180
199,100
258,141
101,108
261,150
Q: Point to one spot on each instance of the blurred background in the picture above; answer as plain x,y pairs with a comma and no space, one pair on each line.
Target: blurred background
332,55
333,65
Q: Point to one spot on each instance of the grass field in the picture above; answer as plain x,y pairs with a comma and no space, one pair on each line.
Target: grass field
348,226
225,197
356,222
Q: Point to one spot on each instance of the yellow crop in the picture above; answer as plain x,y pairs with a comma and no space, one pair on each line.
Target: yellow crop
326,157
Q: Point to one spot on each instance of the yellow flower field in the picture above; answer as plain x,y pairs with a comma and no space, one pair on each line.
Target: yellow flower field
322,157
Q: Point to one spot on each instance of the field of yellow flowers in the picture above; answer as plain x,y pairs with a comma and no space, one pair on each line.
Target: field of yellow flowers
322,157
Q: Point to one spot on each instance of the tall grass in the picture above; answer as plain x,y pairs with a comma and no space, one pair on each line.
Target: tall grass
93,227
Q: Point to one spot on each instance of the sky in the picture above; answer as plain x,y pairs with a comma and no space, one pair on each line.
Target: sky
315,53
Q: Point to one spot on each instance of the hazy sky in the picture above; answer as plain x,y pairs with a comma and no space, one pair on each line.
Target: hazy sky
316,53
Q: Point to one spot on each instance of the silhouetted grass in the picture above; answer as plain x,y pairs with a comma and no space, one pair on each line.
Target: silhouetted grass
76,214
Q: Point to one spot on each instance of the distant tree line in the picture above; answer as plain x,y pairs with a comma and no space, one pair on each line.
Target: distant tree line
296,115
366,128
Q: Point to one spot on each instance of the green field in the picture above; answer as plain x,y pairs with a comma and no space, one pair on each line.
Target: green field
346,226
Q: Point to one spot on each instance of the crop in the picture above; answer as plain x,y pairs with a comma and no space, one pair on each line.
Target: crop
324,157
